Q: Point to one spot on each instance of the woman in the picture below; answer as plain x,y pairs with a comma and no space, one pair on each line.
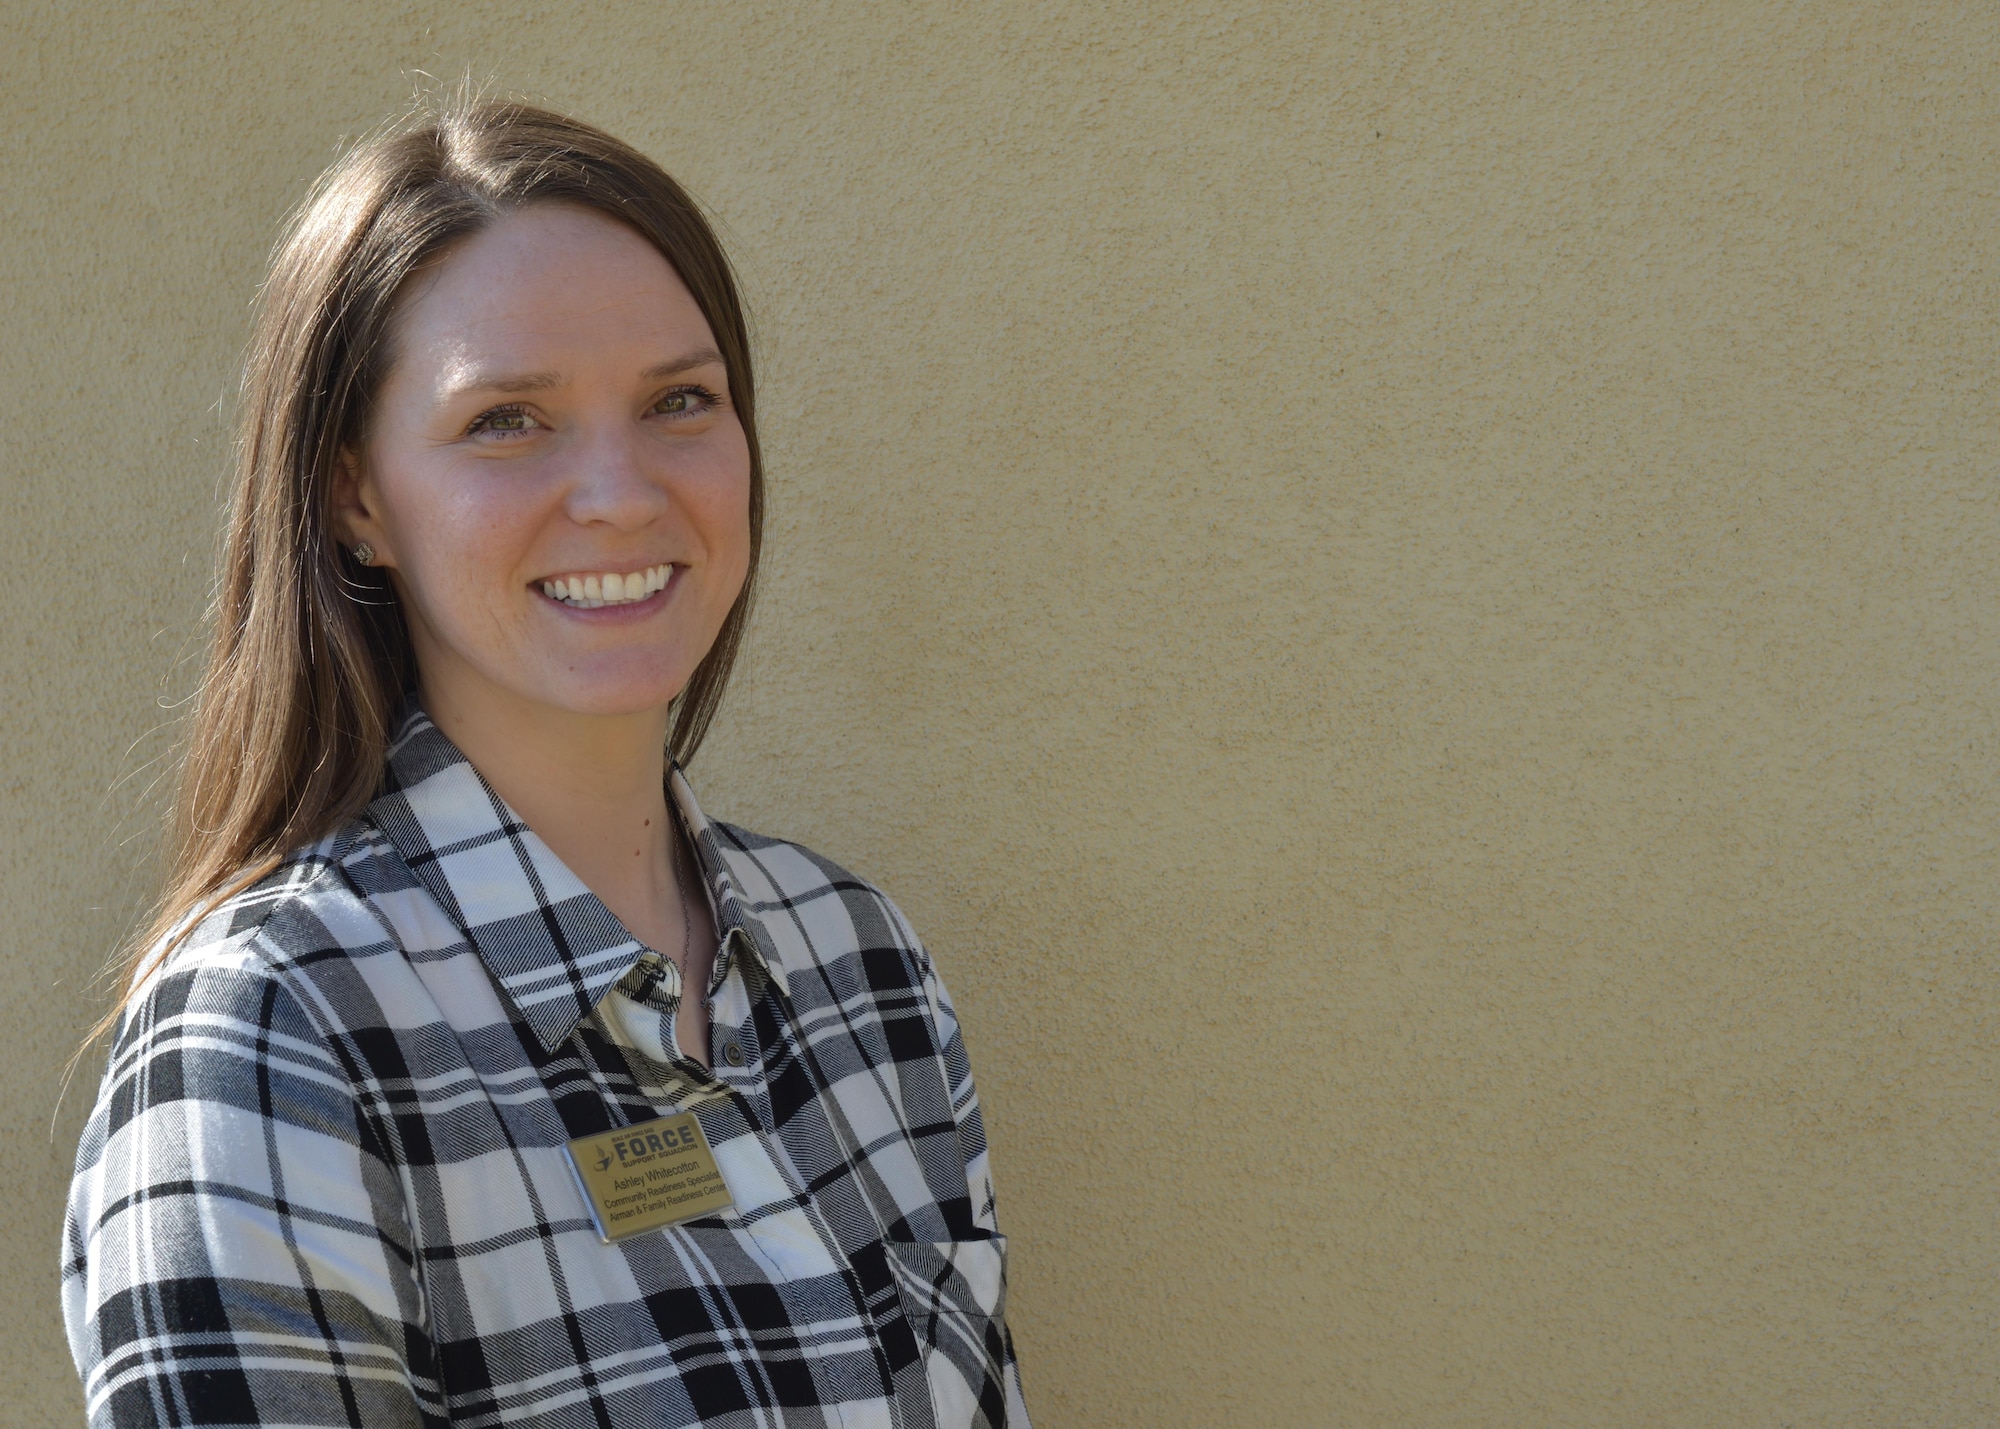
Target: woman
470,1074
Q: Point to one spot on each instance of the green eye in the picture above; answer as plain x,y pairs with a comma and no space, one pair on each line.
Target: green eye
690,401
503,421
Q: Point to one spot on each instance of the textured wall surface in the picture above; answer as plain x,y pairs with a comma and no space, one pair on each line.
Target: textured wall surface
1407,596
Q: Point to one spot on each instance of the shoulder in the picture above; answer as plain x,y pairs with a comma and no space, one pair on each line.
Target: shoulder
237,1014
261,945
815,910
852,965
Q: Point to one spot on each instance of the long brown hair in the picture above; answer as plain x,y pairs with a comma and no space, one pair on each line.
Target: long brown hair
309,658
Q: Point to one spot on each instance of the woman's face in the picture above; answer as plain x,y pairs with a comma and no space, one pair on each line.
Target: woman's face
553,473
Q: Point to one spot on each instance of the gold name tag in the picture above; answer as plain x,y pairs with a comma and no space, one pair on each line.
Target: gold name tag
640,1178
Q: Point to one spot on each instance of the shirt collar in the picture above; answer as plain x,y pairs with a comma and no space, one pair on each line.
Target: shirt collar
550,943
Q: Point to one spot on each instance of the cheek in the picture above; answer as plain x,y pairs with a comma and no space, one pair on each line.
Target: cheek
724,514
446,531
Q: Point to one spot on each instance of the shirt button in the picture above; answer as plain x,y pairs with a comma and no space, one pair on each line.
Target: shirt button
732,1054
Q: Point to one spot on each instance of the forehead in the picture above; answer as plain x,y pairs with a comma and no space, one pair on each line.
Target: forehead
549,286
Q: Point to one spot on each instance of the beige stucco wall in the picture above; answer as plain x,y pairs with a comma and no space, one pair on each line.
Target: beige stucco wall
1407,596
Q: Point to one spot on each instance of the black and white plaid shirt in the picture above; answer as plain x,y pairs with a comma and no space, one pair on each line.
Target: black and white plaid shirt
324,1183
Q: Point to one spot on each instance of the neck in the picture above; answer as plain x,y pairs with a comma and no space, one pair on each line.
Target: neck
592,787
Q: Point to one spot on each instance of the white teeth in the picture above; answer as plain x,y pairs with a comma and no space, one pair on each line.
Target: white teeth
608,587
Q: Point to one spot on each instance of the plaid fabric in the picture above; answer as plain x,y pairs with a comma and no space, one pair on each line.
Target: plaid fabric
324,1181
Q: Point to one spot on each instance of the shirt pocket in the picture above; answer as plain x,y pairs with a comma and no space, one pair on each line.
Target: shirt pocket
954,1296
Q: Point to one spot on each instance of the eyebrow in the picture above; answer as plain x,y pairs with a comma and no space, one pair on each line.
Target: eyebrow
673,367
542,381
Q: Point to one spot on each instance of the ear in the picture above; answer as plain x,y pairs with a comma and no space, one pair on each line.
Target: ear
357,508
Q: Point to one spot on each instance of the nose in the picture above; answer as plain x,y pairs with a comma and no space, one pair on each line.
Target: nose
616,482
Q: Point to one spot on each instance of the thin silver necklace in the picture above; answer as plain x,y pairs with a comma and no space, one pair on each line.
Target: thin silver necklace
687,921
680,892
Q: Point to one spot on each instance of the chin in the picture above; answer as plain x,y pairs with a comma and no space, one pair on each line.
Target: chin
610,703
611,695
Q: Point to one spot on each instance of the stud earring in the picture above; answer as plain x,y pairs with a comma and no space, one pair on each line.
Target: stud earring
365,554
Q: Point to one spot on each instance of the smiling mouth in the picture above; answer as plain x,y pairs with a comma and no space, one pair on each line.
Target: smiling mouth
589,592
